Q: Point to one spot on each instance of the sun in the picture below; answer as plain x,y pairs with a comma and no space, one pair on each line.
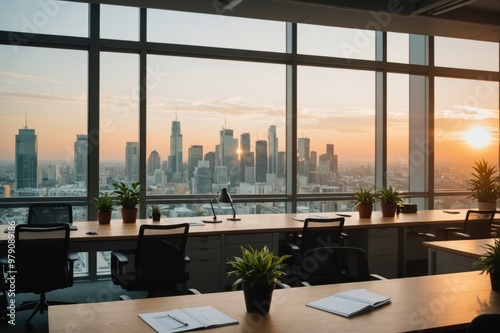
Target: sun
477,137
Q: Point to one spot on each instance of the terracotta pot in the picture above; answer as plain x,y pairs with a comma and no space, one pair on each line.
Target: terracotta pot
129,215
365,210
156,217
258,298
388,210
104,217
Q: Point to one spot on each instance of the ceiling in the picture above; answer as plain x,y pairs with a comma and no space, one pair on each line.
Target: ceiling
470,19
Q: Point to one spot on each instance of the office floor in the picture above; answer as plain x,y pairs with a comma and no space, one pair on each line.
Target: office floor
81,292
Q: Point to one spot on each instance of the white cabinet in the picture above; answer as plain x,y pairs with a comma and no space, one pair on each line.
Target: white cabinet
206,268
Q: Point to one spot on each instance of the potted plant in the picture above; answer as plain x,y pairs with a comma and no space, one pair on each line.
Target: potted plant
364,199
105,206
128,197
155,212
489,262
389,200
484,185
257,271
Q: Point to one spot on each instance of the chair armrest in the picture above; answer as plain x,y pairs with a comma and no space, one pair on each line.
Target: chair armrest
119,258
192,291
458,235
72,256
426,234
450,229
281,285
294,251
124,298
187,259
378,277
305,284
118,261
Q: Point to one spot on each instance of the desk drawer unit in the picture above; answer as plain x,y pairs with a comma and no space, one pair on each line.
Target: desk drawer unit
383,251
206,267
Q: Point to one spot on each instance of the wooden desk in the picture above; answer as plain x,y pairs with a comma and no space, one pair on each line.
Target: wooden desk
432,303
455,255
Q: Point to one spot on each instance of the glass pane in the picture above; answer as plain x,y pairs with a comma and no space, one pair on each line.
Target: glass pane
215,30
336,42
398,47
211,126
31,17
336,130
467,54
119,22
119,112
43,110
398,131
324,206
466,129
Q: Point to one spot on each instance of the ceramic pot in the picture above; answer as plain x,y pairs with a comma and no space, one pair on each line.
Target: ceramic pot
486,205
156,217
365,210
258,298
388,210
104,217
129,215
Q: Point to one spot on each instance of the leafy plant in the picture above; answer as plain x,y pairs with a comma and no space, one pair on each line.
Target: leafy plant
489,262
389,195
103,203
257,267
484,183
364,196
155,209
128,196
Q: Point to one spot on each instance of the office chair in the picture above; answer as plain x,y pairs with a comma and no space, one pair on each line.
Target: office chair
316,232
159,262
43,213
336,264
42,264
477,224
484,323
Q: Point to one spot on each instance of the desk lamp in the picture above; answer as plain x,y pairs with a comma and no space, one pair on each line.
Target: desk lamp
225,197
214,220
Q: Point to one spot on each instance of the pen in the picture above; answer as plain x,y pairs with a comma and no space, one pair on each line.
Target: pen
177,320
344,215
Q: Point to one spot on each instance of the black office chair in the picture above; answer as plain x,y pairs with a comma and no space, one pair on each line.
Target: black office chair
43,213
42,264
159,262
336,264
485,323
317,232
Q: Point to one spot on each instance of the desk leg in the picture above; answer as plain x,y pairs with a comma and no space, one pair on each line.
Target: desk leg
431,262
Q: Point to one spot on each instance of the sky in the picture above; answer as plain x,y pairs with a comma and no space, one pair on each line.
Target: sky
336,106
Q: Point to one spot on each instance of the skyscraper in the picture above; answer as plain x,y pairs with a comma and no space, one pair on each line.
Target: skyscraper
273,150
81,158
154,162
132,161
228,155
26,158
304,156
247,159
260,161
195,154
175,157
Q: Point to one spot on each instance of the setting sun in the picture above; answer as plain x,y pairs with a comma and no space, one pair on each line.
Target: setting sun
478,137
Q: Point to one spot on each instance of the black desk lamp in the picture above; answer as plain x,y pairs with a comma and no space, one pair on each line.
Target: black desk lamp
225,197
214,220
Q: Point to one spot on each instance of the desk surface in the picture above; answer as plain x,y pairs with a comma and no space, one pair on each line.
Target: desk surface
259,223
472,248
438,302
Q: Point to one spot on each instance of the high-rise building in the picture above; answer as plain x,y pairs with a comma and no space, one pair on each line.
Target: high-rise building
154,162
281,164
26,158
247,159
228,155
132,161
195,154
81,158
260,161
200,182
304,156
273,150
245,143
175,157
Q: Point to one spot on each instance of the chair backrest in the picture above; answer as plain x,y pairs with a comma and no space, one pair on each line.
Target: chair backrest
478,223
321,232
484,323
335,264
160,256
41,258
44,213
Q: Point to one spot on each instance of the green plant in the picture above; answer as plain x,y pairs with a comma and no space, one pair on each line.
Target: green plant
484,183
257,267
128,196
489,262
103,203
364,196
155,209
389,195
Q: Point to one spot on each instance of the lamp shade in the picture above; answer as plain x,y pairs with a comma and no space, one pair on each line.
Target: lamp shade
224,196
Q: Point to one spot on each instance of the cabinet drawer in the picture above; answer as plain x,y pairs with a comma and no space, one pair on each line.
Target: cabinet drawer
249,239
201,242
382,245
204,254
379,232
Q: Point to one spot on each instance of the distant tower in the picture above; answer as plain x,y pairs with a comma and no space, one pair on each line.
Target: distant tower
195,154
154,162
260,161
132,161
81,158
228,155
273,150
175,157
304,156
247,159
26,158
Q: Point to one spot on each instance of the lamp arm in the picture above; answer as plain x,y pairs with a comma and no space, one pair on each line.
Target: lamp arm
234,212
211,205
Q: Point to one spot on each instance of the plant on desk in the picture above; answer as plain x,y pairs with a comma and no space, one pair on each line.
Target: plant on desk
155,212
484,185
258,271
389,200
489,262
128,197
105,206
364,199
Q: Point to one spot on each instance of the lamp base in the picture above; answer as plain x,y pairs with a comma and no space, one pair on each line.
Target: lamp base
233,219
212,221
